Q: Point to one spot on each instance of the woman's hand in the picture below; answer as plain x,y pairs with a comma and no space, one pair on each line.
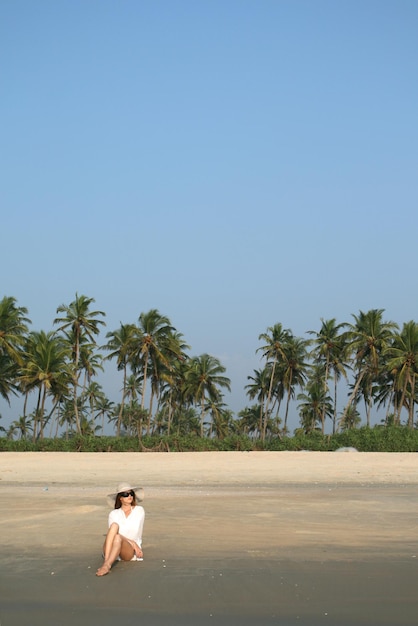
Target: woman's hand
138,552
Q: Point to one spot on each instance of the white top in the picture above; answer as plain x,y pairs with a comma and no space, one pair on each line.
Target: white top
130,527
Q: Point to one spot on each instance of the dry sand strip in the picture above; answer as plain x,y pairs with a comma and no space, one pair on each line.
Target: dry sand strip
193,469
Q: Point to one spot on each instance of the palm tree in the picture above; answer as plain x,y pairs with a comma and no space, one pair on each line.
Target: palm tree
23,426
165,368
8,377
66,415
133,392
11,431
315,405
88,427
90,362
249,421
79,322
45,368
186,421
350,418
221,418
387,392
13,330
135,418
156,344
133,388
368,338
293,370
121,344
104,407
259,389
204,378
93,394
402,356
173,391
330,350
152,331
274,351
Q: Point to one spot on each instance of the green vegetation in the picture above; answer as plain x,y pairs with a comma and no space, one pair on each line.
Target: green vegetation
171,400
377,439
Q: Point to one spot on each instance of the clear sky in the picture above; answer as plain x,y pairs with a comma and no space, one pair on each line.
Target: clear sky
232,163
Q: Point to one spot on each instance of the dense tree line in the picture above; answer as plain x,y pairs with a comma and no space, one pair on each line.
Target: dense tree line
166,391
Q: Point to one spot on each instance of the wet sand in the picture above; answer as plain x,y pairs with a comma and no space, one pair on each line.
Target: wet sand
230,538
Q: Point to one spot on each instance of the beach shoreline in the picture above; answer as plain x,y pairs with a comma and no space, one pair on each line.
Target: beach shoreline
229,538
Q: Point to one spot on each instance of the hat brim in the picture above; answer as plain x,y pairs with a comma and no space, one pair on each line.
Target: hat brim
139,496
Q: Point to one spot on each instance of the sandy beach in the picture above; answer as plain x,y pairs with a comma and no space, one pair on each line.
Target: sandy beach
230,538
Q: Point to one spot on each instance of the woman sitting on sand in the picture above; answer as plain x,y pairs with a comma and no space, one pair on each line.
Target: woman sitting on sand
126,521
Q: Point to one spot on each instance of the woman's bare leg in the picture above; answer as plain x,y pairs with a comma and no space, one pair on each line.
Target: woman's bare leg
128,549
111,549
115,546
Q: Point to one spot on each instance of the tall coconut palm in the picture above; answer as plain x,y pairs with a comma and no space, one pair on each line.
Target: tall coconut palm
259,389
13,330
122,344
13,327
93,394
368,338
186,422
8,377
156,344
330,350
204,380
165,364
104,407
91,362
294,370
274,351
221,418
172,396
350,419
45,369
153,330
249,421
79,322
23,426
387,393
402,356
314,406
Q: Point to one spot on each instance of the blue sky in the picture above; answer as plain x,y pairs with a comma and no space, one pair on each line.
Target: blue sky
231,163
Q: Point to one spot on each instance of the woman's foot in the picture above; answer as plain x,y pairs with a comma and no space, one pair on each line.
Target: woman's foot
103,570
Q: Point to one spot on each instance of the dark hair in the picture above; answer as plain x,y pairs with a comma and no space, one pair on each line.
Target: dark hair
118,503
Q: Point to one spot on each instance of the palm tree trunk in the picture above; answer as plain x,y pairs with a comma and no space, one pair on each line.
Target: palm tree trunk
326,391
41,432
354,393
122,404
412,403
202,417
144,384
75,382
25,404
170,412
75,404
266,410
288,403
151,402
36,417
402,402
334,418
